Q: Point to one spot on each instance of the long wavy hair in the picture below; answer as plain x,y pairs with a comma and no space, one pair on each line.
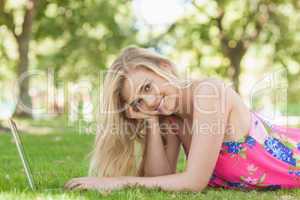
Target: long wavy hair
119,146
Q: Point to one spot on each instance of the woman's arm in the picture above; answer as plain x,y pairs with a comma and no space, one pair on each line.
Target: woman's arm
160,159
212,105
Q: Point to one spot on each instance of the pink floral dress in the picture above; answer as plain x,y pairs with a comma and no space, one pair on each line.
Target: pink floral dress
267,158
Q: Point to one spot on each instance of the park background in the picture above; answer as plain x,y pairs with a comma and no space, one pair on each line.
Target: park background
53,53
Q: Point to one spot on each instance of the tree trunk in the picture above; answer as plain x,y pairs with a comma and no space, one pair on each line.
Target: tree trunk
235,55
3,129
235,66
234,51
24,104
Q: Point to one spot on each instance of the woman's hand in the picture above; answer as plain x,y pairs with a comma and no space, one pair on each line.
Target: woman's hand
94,183
152,120
136,114
168,124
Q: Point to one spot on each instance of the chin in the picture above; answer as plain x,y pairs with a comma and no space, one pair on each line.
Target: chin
166,112
170,108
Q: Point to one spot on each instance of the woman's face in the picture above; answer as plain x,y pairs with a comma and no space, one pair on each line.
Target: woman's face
149,93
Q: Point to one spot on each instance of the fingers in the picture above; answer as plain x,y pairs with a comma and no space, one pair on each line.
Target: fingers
85,183
81,187
70,184
74,183
77,186
136,115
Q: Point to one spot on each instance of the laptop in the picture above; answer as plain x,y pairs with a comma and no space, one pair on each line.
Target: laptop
23,157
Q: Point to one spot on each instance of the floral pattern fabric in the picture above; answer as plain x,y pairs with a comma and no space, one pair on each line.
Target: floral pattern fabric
267,158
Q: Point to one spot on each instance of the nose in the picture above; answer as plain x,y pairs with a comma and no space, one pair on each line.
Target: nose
151,101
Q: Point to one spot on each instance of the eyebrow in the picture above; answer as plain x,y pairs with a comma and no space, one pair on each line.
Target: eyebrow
139,90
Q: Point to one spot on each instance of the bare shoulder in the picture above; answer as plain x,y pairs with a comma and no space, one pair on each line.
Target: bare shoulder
223,103
210,91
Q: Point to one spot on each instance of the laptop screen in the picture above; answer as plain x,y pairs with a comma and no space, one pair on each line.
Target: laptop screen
22,154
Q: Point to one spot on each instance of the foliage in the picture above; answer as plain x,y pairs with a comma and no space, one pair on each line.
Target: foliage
219,35
83,35
73,38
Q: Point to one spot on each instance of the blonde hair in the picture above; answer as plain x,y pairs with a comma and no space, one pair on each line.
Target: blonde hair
114,152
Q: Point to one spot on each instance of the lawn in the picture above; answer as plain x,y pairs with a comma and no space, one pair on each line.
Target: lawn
60,153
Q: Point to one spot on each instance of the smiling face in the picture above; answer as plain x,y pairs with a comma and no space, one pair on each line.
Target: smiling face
149,93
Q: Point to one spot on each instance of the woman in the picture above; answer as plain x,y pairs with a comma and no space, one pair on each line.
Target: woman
225,143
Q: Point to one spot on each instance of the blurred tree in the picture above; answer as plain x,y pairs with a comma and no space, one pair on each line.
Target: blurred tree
224,31
84,35
74,39
22,39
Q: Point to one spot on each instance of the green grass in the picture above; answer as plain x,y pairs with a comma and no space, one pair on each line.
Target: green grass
61,154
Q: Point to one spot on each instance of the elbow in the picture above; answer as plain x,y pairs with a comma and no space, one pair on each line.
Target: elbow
196,188
193,184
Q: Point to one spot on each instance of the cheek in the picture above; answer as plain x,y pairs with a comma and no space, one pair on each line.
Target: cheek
172,92
167,90
171,97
